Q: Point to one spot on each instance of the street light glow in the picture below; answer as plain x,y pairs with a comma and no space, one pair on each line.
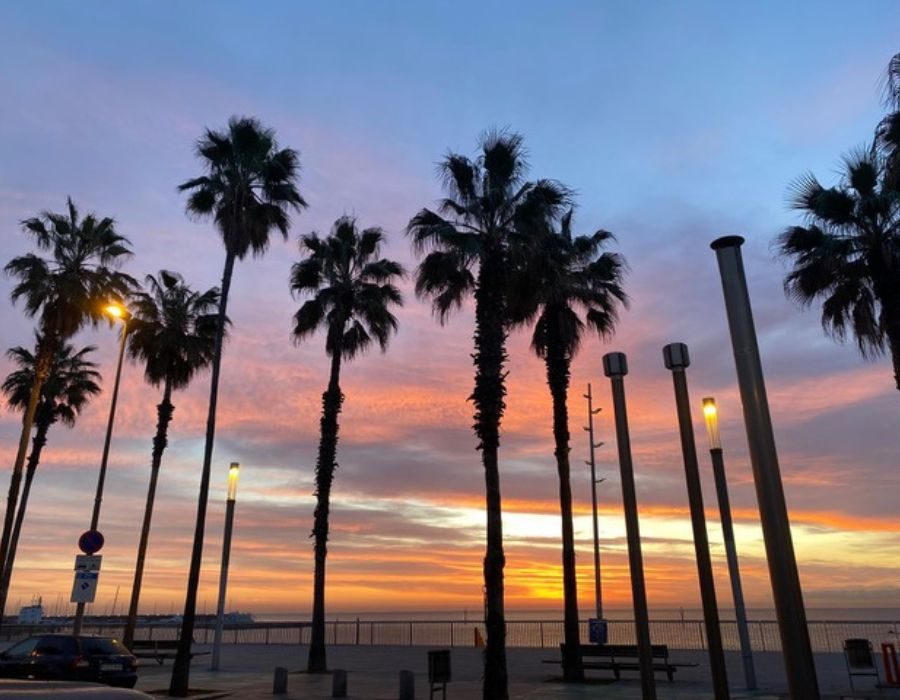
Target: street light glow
233,480
711,414
116,311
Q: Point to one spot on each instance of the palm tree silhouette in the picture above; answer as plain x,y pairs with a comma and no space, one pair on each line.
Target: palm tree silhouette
848,254
70,384
65,290
470,242
248,190
888,132
173,333
562,277
351,291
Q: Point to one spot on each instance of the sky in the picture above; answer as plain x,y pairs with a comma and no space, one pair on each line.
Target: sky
675,123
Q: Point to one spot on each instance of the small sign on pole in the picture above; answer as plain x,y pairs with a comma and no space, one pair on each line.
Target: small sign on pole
85,586
87,562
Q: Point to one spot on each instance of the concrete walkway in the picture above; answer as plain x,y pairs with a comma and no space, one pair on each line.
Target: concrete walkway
373,673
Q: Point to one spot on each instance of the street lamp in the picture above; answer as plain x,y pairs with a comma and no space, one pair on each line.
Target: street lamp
117,312
598,596
233,471
711,415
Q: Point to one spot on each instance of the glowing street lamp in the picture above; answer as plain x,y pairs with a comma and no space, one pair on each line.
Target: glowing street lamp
119,312
711,415
231,497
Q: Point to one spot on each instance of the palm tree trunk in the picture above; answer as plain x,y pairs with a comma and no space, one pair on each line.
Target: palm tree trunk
41,371
488,397
558,380
325,466
164,416
37,445
181,668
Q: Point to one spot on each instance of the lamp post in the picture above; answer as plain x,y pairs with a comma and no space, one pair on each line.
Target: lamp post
117,312
711,415
615,366
677,360
226,555
786,590
598,593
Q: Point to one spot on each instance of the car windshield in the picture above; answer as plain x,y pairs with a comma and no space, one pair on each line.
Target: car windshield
23,648
94,646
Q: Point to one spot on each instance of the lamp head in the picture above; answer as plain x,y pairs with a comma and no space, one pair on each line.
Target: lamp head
711,416
615,364
233,471
675,355
117,311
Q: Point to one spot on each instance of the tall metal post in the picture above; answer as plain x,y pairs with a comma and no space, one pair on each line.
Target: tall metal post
711,415
598,591
615,366
795,644
101,479
226,556
677,359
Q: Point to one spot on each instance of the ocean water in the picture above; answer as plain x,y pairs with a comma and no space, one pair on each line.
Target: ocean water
474,614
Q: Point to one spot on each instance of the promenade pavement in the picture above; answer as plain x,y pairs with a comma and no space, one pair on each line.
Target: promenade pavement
246,672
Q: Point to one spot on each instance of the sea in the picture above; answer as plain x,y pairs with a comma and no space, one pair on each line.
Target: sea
474,615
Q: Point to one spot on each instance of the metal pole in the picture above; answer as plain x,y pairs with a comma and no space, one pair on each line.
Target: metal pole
615,367
740,612
796,648
98,496
598,593
223,574
677,359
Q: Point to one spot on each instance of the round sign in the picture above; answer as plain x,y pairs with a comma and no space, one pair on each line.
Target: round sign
90,542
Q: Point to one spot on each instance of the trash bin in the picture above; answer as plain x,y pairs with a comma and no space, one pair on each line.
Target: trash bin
597,631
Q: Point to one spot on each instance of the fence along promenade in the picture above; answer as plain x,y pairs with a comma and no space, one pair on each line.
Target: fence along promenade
826,635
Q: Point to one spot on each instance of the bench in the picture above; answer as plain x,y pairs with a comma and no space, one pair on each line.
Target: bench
623,657
158,649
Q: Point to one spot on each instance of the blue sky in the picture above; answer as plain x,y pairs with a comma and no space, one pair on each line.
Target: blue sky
674,122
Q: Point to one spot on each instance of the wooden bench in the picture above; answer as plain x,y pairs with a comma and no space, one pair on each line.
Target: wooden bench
158,649
623,657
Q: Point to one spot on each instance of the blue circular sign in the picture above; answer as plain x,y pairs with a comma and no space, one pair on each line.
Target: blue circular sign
90,542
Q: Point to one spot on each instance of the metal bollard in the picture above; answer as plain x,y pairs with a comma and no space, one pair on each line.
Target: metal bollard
279,686
407,685
339,683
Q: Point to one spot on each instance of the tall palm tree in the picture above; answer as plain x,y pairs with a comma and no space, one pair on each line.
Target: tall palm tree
888,132
173,333
564,279
249,189
70,384
65,291
351,293
469,242
848,254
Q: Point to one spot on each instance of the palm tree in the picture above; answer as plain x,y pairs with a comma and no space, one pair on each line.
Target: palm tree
173,332
65,291
563,277
888,132
248,190
351,291
469,242
70,384
848,254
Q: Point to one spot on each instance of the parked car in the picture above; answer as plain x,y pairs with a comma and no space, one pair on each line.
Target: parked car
62,657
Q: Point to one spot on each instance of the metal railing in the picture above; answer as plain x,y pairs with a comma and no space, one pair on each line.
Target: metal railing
825,635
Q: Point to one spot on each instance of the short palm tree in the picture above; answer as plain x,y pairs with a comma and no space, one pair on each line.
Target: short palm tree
567,278
470,241
351,293
848,254
249,189
65,291
173,333
70,384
